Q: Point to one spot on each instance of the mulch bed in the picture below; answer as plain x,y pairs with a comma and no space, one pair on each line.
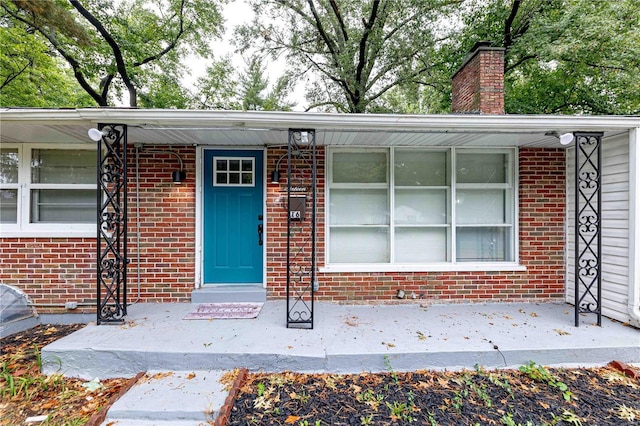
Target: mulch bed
532,395
25,392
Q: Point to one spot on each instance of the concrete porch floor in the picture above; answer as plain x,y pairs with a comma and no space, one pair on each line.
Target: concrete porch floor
345,339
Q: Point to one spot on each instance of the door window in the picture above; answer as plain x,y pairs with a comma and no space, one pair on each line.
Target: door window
233,171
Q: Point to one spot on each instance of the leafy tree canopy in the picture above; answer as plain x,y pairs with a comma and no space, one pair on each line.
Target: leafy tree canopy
32,75
123,49
562,56
355,51
224,88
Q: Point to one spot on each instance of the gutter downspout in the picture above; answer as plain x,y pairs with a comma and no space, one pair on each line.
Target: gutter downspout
137,147
634,226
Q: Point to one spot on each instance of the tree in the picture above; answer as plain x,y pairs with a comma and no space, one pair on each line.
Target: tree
562,56
135,47
354,51
31,75
223,88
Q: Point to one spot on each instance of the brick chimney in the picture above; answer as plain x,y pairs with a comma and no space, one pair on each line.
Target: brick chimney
478,85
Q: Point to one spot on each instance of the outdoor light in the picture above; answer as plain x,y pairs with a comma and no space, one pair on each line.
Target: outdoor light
275,174
565,138
177,176
96,135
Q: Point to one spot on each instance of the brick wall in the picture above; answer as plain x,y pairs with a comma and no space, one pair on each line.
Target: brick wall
478,86
541,245
167,226
276,231
52,271
58,270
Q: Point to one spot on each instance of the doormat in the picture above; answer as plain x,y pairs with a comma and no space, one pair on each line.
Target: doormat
207,311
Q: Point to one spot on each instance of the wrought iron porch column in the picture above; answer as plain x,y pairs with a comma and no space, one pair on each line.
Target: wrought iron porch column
301,227
588,225
112,224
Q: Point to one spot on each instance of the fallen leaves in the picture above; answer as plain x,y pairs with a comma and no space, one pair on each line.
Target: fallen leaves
52,399
428,397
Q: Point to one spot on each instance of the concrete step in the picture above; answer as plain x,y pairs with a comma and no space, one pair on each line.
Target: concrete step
229,293
180,398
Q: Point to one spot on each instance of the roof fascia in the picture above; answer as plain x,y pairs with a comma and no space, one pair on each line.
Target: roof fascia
319,121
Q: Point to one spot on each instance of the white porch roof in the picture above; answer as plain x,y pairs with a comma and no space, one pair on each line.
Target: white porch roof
259,128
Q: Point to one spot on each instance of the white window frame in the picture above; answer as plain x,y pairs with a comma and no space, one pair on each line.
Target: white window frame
240,172
451,264
24,227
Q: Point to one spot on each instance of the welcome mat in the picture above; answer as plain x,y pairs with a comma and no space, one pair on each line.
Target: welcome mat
207,311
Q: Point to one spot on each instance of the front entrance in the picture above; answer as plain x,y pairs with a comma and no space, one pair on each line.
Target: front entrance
233,199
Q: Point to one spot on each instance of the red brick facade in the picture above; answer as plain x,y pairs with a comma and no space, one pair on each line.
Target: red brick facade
58,270
478,86
541,245
53,271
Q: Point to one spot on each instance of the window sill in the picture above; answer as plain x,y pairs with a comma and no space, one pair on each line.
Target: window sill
69,233
435,267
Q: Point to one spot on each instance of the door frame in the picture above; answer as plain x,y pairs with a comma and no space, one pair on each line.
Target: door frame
199,265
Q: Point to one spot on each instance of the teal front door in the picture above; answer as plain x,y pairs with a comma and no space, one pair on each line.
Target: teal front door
233,199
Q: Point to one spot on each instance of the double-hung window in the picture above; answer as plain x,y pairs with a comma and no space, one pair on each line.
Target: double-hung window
47,190
408,208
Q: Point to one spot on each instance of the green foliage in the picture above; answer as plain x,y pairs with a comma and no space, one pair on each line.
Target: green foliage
28,381
224,88
507,420
31,75
353,51
120,50
394,376
562,57
401,411
540,374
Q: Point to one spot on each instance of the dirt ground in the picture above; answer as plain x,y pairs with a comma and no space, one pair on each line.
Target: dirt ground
25,393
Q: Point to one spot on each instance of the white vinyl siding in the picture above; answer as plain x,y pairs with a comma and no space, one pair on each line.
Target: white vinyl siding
615,226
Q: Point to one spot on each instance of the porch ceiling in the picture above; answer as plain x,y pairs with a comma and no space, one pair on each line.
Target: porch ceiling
235,128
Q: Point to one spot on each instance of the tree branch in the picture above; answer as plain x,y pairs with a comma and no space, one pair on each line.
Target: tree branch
171,45
508,23
336,12
592,65
100,100
336,105
117,53
518,62
105,84
323,34
15,75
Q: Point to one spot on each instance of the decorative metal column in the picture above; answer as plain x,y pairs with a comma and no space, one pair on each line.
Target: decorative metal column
112,224
301,227
588,225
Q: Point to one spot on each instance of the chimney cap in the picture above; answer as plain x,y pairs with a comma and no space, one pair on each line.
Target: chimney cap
480,44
